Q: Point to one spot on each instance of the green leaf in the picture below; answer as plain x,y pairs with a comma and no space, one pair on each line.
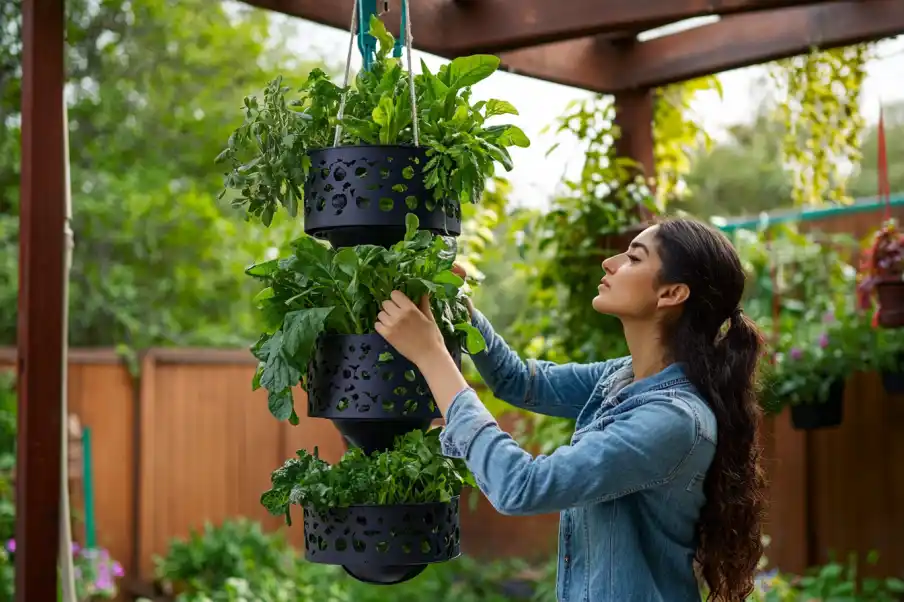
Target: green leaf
449,277
499,107
474,341
385,39
469,70
514,136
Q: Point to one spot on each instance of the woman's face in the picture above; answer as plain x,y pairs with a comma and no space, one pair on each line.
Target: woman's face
630,287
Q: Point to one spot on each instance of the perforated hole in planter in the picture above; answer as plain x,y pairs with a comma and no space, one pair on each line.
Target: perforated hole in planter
378,537
361,194
361,377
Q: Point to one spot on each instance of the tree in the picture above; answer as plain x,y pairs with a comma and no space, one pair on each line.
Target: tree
741,176
154,89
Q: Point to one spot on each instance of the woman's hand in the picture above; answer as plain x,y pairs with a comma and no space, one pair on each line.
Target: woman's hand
410,328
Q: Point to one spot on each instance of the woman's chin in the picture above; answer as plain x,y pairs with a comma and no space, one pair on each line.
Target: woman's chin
600,305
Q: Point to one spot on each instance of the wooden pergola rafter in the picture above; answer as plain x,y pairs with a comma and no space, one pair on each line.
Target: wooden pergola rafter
590,44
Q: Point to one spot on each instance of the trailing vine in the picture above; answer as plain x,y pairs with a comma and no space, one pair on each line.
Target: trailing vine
819,102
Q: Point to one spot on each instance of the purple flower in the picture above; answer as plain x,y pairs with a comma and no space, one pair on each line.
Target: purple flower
11,545
117,570
75,548
824,340
796,353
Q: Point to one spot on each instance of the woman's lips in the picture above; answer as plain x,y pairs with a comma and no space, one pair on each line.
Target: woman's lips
603,283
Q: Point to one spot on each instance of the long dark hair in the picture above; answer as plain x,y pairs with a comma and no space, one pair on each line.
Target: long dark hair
722,364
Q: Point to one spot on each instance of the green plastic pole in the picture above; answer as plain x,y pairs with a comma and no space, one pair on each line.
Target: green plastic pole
88,487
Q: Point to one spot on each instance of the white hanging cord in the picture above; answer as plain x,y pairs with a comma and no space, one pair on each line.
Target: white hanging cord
348,68
67,570
408,44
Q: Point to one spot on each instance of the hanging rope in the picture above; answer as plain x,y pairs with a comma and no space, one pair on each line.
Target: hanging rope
359,24
406,31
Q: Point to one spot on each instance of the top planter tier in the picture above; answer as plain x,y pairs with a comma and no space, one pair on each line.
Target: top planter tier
361,194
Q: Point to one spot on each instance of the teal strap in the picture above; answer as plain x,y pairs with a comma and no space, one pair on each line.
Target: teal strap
367,44
400,41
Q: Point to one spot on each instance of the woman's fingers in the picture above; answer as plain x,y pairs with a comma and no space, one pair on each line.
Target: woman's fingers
459,271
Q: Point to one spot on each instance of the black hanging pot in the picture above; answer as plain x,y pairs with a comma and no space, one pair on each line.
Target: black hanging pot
361,195
383,544
369,390
815,415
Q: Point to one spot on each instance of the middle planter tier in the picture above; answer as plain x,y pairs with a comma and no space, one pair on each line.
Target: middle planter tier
369,390
357,195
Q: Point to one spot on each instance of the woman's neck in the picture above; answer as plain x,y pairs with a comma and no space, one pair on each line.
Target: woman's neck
645,346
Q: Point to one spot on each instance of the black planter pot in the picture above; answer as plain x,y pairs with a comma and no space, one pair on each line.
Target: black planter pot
369,390
361,195
383,545
814,415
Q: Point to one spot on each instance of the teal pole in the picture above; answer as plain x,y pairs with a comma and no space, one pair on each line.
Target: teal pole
88,487
367,44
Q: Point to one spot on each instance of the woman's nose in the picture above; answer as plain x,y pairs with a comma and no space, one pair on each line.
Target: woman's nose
610,264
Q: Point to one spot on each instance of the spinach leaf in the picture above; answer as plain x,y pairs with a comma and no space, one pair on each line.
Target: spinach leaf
267,153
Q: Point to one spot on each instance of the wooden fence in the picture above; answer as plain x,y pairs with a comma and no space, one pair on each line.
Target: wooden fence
189,442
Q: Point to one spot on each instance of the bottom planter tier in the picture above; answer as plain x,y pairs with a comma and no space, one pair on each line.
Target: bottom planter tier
815,415
383,544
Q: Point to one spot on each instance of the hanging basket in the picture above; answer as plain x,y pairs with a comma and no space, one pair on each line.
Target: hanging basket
890,295
383,544
816,415
369,390
361,195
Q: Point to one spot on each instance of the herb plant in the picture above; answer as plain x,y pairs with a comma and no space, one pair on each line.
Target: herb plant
319,290
268,153
414,471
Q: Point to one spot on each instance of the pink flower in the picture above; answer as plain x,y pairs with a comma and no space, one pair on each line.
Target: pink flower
828,317
117,570
796,353
824,340
11,545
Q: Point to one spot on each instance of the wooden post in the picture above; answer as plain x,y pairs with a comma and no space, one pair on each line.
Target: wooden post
40,331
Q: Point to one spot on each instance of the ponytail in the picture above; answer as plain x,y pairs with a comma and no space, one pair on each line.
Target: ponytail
721,361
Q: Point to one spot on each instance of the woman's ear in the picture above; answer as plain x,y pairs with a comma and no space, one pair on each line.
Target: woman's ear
673,295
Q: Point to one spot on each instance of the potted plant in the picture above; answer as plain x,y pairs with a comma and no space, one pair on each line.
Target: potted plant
888,359
382,516
882,275
811,378
358,159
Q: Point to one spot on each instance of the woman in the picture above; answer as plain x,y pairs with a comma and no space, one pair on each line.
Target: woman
664,467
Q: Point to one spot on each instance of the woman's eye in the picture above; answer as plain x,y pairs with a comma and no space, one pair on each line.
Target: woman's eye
633,259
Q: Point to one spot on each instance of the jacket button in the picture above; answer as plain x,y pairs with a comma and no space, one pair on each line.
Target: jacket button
567,558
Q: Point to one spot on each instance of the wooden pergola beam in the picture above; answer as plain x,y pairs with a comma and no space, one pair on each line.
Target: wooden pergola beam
457,27
42,213
738,41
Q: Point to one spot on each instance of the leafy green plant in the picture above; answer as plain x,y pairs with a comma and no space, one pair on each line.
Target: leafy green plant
268,152
236,549
413,471
318,290
832,582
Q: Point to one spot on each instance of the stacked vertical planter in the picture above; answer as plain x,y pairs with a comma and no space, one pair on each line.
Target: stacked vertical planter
361,195
370,167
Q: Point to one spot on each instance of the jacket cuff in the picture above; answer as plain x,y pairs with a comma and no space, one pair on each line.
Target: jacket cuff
466,418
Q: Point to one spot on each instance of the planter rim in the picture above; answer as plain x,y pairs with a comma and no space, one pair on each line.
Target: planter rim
454,498
322,149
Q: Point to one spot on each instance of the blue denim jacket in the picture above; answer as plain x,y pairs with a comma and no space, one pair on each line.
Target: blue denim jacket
629,486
